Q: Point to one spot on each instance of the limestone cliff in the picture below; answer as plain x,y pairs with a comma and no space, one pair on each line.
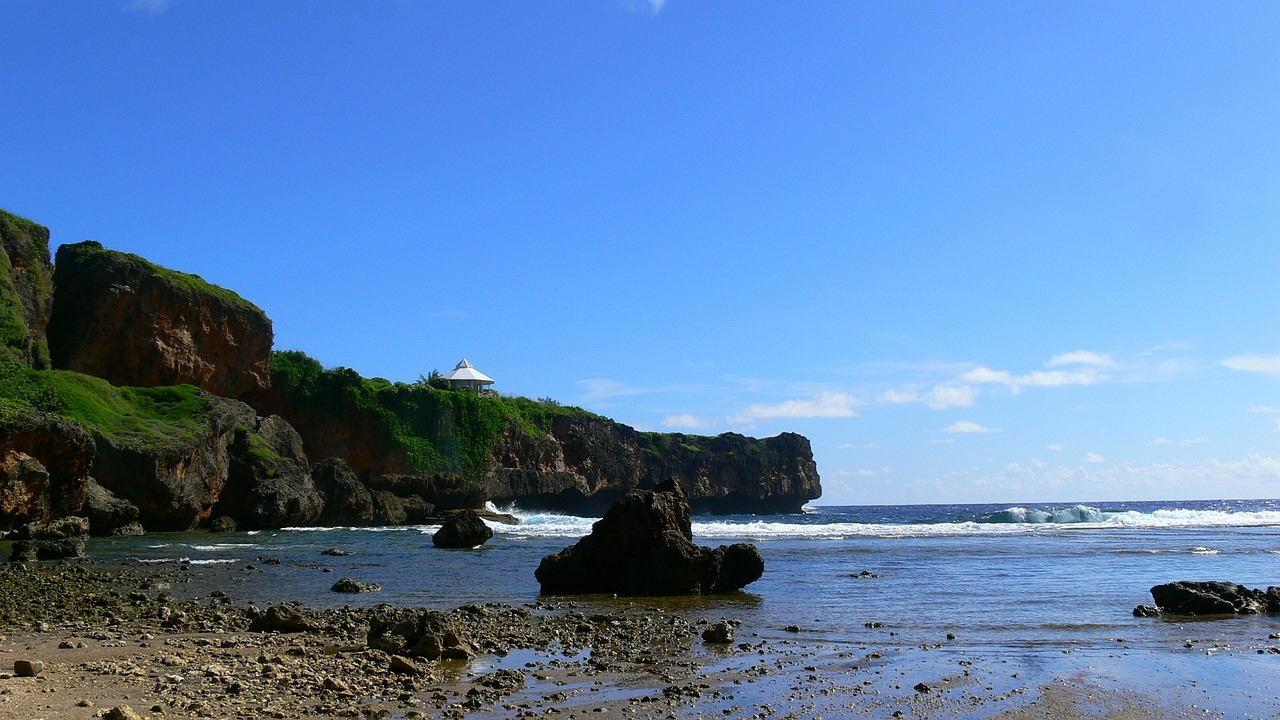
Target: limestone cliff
459,448
172,327
26,290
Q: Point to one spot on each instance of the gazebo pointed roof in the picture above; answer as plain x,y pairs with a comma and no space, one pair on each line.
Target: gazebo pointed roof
466,371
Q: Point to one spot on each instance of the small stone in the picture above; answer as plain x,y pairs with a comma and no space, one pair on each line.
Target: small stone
922,688
336,552
404,666
347,585
27,668
122,712
793,628
720,633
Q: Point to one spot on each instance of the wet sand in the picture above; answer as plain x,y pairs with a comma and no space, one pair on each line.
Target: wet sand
159,640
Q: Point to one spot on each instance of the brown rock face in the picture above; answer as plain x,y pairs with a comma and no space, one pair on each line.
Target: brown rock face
26,290
122,318
44,467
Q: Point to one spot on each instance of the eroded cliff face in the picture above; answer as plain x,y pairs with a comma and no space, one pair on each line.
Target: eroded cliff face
26,290
124,319
44,467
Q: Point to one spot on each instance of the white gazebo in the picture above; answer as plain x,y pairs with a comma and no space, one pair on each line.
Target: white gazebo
465,375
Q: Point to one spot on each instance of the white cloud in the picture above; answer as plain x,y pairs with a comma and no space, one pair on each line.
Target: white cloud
1162,441
1056,447
865,473
1195,441
1261,410
1254,363
686,421
1082,357
942,397
1094,457
1039,378
966,426
899,397
822,405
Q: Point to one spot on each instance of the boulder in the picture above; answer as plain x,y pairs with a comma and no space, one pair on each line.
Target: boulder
418,632
222,524
721,633
173,327
28,668
57,540
463,529
347,585
26,290
1214,598
133,529
282,618
644,546
106,512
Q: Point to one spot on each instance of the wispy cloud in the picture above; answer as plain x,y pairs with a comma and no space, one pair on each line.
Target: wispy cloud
1038,378
1162,441
941,397
822,405
967,426
1094,457
1082,357
1268,364
1261,410
687,421
604,388
1056,447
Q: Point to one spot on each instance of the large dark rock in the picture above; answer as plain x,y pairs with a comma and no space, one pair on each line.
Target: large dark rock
173,327
26,290
56,540
644,546
106,512
269,481
44,467
463,529
1214,598
346,500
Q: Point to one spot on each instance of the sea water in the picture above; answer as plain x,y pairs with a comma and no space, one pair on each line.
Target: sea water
1037,576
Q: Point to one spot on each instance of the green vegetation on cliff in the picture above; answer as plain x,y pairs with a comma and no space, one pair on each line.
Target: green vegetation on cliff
144,418
91,255
438,430
26,290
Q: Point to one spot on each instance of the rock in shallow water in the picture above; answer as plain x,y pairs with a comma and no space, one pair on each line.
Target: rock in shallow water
1214,598
347,585
464,529
644,547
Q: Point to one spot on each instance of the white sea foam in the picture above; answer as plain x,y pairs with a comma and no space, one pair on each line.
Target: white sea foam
224,546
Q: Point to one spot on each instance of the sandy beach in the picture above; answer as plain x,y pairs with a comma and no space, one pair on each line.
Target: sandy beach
157,640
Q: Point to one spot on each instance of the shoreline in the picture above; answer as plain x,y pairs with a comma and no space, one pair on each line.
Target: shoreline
151,637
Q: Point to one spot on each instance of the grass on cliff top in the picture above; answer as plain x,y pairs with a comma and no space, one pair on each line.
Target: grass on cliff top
93,255
150,418
439,430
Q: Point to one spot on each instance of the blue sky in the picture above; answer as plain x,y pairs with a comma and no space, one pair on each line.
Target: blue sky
986,251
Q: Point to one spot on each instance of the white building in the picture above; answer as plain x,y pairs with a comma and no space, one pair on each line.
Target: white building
465,375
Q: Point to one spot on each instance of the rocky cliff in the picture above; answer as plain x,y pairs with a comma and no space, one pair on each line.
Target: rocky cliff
460,449
173,327
137,423
26,290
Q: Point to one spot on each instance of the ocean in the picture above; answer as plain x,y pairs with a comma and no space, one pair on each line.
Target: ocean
1049,589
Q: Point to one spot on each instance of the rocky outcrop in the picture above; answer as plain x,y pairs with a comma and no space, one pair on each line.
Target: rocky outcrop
107,513
176,482
644,546
464,529
417,632
57,540
173,328
44,467
1187,597
26,290
416,440
268,479
585,463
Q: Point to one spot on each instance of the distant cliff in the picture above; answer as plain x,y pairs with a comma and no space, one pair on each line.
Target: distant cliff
460,448
136,421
